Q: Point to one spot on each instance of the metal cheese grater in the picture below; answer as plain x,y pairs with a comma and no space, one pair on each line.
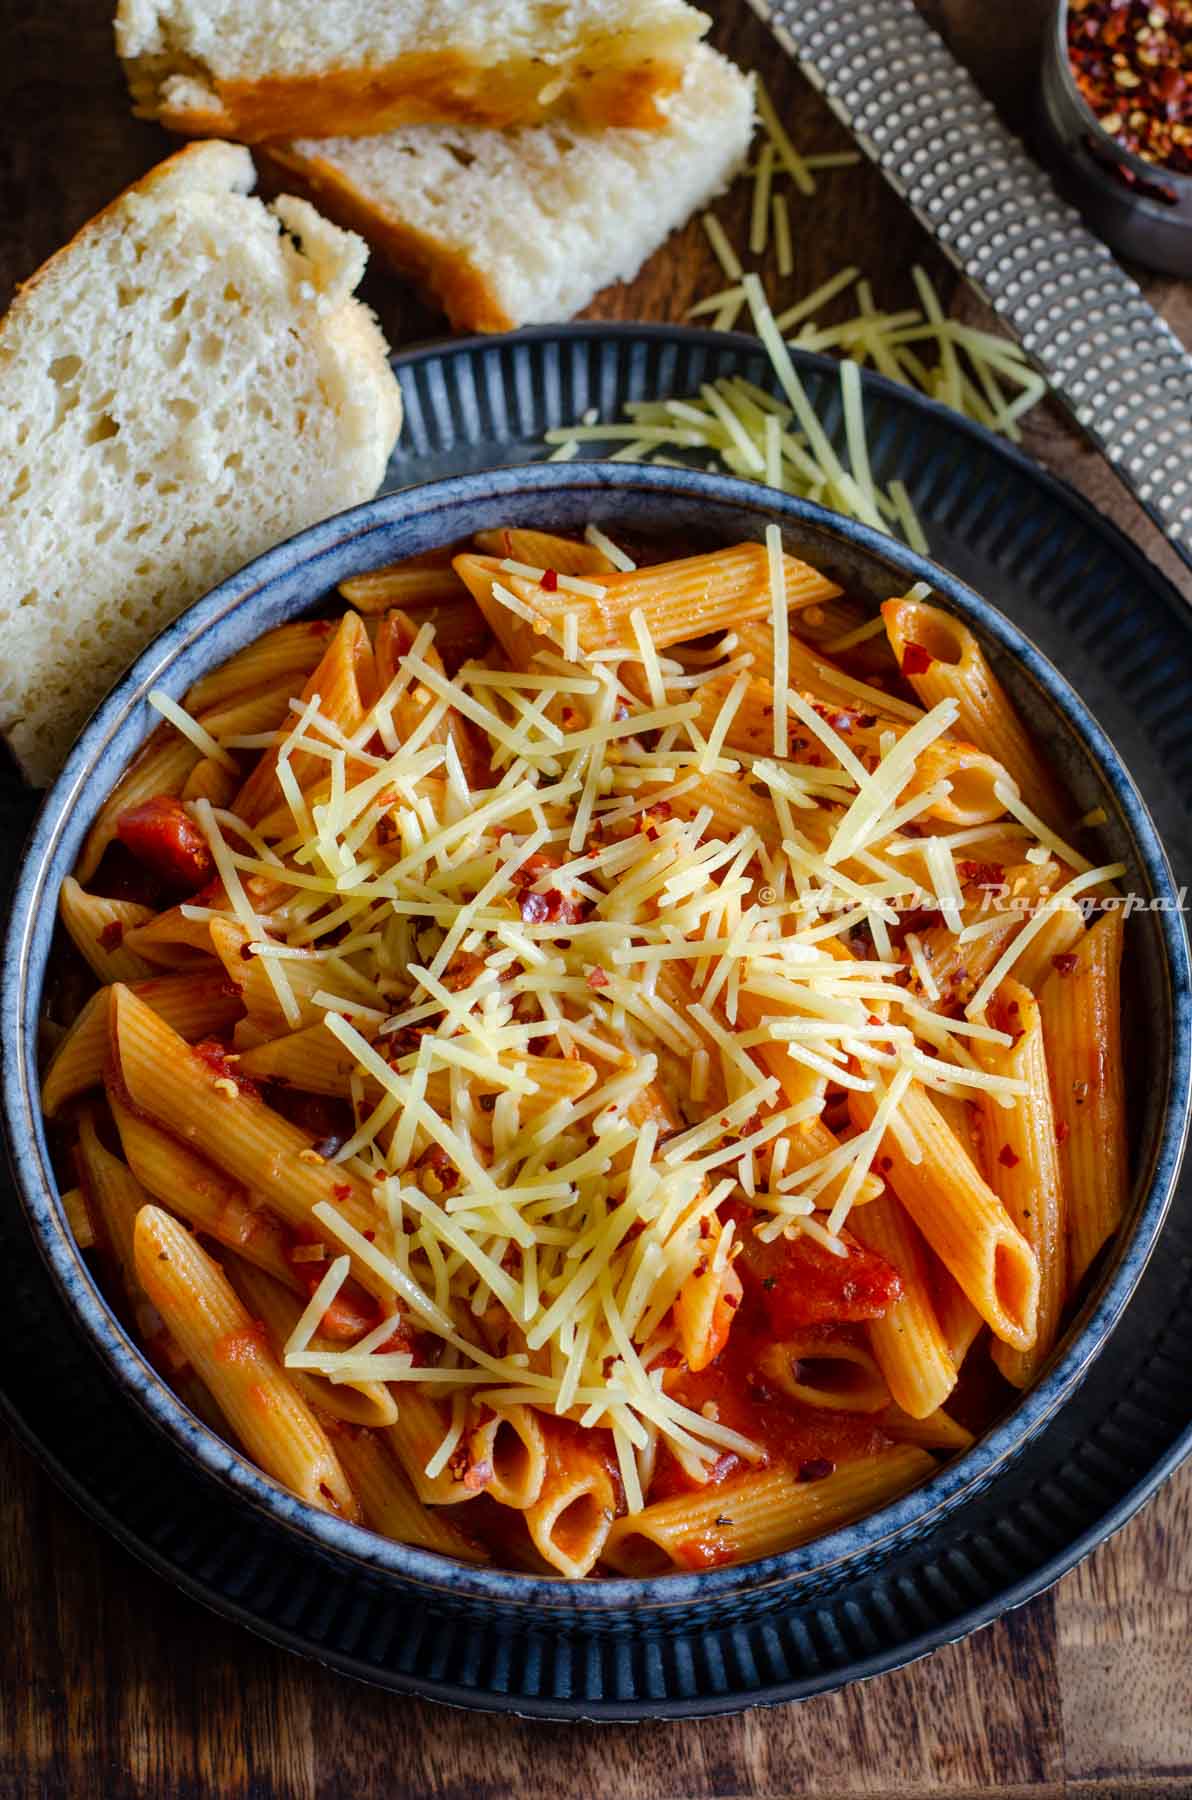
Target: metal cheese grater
1118,368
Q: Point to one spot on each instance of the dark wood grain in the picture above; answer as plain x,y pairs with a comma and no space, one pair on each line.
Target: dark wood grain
114,1686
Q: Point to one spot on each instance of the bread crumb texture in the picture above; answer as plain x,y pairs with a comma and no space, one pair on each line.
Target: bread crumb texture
187,383
523,226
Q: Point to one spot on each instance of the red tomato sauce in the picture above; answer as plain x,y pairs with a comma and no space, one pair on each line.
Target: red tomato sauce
161,834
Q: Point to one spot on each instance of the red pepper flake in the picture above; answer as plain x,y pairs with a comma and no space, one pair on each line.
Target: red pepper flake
981,874
817,1468
885,1164
1063,1131
341,1192
550,580
916,660
597,978
1008,1158
1065,962
112,935
1130,59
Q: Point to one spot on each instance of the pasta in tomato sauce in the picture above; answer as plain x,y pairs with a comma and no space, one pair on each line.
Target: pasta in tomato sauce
581,1058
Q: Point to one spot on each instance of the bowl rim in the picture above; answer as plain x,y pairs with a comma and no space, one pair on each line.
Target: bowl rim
31,921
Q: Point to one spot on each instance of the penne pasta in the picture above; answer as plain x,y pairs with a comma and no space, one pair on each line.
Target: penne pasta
226,1348
195,1006
758,1515
390,1505
1022,1163
908,1342
675,600
208,1200
97,928
832,1371
1080,1007
354,1402
942,659
162,767
586,1063
570,1520
511,1446
960,1216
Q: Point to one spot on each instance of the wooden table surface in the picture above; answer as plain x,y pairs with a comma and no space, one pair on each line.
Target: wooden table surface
113,1685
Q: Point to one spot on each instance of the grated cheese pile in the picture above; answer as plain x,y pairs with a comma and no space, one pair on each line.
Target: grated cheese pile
548,929
978,374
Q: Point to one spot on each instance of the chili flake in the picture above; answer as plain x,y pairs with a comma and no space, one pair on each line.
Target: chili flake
916,660
1131,60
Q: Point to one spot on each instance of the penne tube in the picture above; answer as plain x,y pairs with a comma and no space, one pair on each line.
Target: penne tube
279,1310
210,780
543,550
250,714
960,965
388,1502
677,600
196,1006
315,1061
938,1431
706,1304
758,1514
97,928
192,1099
942,660
162,767
511,1444
829,1369
116,1198
811,671
959,1321
345,682
286,654
401,586
245,970
570,1520
1080,1006
206,1198
734,804
1023,1167
972,776
228,1351
908,1342
960,1216
417,1434
1057,936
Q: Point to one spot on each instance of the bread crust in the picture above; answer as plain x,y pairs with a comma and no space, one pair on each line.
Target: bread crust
446,272
434,87
166,170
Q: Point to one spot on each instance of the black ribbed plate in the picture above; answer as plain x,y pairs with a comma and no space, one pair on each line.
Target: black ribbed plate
1123,638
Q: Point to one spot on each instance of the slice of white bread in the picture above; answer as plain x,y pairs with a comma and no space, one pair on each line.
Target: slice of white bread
523,226
259,69
181,387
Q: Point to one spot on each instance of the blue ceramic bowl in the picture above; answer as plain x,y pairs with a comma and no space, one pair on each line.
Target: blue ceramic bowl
294,578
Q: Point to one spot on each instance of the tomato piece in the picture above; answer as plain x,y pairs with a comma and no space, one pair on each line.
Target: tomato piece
799,1283
161,834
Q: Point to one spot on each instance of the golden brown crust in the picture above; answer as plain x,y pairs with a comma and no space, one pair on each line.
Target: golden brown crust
443,271
433,88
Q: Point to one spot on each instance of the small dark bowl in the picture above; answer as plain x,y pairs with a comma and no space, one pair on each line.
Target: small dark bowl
1140,209
295,577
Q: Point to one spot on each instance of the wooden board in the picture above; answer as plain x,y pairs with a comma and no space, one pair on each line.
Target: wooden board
114,1686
